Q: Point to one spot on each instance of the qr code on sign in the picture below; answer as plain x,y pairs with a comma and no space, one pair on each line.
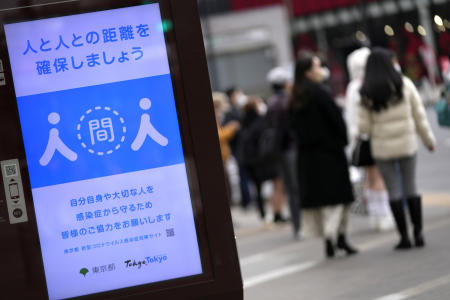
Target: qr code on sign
11,170
170,232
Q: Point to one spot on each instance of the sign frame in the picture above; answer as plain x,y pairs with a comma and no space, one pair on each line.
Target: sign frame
221,278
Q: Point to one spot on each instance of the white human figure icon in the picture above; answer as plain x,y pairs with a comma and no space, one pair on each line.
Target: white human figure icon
55,143
146,128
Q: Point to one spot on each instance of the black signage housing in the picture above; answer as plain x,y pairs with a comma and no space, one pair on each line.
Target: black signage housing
22,272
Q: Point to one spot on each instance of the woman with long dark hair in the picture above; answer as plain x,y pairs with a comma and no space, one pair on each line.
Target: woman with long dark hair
324,183
392,113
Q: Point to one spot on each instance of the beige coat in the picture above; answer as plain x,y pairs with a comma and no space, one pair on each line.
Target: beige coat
393,131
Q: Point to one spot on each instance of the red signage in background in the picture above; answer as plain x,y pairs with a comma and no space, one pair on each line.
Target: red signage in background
300,7
246,4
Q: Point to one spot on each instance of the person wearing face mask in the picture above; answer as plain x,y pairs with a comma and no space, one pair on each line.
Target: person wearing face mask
237,100
374,192
392,113
323,176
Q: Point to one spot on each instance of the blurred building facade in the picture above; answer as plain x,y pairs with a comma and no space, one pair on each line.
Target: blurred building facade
245,38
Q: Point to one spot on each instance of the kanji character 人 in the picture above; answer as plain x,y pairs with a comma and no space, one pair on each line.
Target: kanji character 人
29,47
61,43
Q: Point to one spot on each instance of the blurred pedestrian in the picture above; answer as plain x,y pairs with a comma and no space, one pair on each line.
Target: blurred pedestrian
277,117
324,183
225,132
237,100
391,112
374,193
254,165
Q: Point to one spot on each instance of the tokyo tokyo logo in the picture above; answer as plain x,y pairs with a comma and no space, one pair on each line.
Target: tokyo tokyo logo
101,130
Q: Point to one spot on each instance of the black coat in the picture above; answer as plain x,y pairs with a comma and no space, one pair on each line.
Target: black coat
322,163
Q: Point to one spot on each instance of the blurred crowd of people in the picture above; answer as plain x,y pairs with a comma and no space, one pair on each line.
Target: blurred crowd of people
304,142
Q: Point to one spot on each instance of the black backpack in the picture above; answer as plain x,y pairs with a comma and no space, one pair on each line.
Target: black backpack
260,149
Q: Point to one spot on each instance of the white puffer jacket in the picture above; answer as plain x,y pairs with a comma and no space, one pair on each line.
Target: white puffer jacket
356,63
394,131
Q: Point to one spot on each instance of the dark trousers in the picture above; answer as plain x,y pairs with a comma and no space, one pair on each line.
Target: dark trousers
290,181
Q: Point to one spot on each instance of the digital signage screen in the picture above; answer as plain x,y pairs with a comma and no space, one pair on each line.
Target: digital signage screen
104,151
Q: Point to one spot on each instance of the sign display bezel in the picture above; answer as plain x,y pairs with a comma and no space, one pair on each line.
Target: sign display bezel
199,159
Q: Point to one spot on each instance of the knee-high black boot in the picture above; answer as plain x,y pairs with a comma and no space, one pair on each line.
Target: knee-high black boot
344,245
399,215
415,211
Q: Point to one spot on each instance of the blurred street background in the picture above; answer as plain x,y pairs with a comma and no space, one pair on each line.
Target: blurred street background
244,41
275,266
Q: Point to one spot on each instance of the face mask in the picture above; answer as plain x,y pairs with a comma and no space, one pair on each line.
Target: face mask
262,109
325,73
397,68
241,100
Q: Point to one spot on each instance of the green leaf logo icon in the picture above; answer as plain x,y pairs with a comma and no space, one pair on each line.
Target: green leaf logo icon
84,271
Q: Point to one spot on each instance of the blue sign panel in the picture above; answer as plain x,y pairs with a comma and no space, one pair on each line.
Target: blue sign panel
104,151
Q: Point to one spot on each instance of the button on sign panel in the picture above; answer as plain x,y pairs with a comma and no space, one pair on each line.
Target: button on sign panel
15,199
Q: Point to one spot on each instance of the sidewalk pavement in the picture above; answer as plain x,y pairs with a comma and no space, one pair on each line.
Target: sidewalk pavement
247,223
